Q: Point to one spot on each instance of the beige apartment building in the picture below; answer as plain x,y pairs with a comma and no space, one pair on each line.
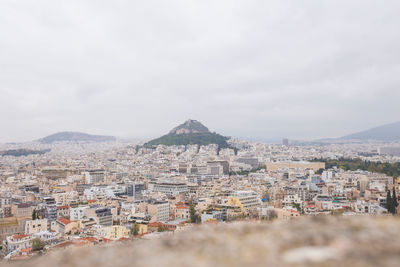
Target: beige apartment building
35,226
274,166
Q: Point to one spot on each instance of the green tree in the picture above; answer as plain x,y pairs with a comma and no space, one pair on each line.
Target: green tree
160,228
395,197
38,244
135,229
194,217
34,215
297,207
394,202
388,201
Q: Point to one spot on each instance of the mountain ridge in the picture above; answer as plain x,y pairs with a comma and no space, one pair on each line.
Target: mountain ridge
386,132
68,136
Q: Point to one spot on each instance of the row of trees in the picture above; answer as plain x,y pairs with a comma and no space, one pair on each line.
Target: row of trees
22,152
192,138
390,169
391,202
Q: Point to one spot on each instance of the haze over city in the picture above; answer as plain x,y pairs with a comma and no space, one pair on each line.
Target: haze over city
199,133
254,69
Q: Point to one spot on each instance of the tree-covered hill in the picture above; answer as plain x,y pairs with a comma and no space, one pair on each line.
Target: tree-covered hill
191,132
191,138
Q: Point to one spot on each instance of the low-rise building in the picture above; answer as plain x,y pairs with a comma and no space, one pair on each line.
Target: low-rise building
168,188
35,226
17,242
113,232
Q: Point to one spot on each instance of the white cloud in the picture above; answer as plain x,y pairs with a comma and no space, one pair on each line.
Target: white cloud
260,69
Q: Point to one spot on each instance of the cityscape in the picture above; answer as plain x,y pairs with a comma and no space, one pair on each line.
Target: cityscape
84,190
199,133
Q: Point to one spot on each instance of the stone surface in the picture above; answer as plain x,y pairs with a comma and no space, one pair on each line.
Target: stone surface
319,241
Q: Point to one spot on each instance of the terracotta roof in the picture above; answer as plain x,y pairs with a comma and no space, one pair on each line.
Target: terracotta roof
155,224
19,236
64,221
63,207
26,250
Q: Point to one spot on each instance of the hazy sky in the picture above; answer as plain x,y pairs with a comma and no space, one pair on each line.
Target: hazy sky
257,69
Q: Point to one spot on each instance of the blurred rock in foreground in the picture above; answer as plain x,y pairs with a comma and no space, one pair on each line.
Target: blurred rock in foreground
320,241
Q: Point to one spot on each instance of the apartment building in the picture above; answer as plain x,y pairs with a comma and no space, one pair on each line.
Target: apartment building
158,210
36,226
168,188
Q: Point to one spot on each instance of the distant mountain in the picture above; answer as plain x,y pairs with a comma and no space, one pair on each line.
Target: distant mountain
75,137
388,132
190,132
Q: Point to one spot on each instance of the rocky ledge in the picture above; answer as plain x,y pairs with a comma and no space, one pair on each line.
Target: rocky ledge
318,241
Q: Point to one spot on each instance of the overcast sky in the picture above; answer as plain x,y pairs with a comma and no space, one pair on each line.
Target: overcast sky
257,69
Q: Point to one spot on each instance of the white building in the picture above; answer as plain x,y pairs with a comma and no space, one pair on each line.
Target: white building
94,176
169,188
17,242
110,191
77,213
289,200
247,199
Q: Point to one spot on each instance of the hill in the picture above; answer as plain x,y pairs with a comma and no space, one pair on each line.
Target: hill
388,132
75,137
190,132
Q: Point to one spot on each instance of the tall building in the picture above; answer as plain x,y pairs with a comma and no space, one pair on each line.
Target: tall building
94,176
220,167
285,142
158,210
135,190
50,211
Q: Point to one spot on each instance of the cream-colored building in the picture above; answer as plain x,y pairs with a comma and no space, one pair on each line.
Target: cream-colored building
114,232
159,211
245,200
35,226
286,214
65,226
274,166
